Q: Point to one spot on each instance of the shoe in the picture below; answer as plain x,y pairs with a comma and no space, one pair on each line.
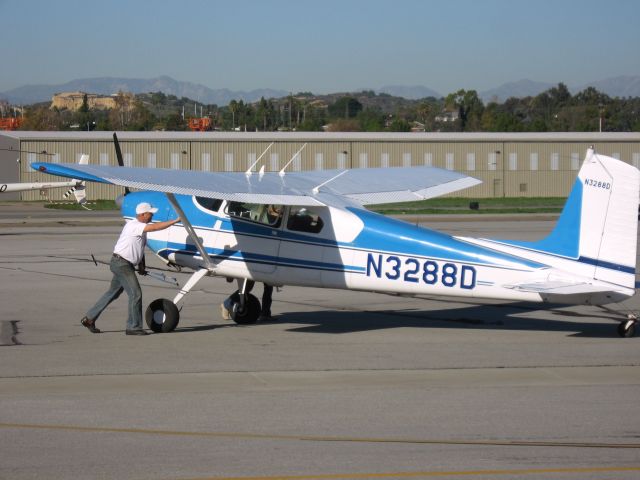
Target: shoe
224,312
265,318
137,331
90,324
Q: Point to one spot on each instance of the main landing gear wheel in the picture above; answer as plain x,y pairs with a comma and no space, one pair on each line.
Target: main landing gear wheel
627,329
246,314
162,315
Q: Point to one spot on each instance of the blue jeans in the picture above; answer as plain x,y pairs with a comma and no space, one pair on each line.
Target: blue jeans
124,278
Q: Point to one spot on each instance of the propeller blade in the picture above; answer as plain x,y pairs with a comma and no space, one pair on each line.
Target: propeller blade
116,144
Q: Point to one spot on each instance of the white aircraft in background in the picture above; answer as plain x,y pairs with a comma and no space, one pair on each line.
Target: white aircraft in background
75,187
323,237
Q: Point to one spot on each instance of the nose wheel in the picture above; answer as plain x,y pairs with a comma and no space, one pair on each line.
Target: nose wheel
627,329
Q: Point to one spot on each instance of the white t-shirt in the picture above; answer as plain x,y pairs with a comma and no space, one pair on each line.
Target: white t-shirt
132,241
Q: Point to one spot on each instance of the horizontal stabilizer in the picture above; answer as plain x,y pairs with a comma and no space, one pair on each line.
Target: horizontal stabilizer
561,288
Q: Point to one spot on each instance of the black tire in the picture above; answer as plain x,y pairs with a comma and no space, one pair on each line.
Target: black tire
162,316
627,329
249,315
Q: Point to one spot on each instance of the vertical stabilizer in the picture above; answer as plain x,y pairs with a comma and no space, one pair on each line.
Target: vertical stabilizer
598,225
608,233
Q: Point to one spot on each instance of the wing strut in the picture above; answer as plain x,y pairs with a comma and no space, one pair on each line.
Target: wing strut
192,233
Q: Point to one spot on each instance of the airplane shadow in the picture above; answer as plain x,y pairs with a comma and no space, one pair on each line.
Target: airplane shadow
480,317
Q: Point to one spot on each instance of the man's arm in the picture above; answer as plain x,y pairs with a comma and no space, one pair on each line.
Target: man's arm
154,227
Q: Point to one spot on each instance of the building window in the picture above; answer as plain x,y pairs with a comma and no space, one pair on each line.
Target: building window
251,159
428,159
104,159
342,160
523,187
471,161
533,161
513,161
492,163
449,161
575,161
384,160
555,161
151,160
297,163
635,159
319,161
363,160
175,161
205,161
31,158
406,159
616,155
128,159
274,162
228,162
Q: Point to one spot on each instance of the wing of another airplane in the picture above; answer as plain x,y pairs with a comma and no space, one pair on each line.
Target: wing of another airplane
313,188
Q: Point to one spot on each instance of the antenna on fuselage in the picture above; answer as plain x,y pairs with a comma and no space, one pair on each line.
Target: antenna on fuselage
281,172
248,172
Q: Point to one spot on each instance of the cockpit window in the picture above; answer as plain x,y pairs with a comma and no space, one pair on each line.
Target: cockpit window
302,219
267,214
212,204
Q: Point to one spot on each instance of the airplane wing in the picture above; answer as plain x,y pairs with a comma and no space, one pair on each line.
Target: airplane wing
312,188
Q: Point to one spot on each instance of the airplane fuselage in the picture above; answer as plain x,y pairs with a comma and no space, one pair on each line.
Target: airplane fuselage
353,249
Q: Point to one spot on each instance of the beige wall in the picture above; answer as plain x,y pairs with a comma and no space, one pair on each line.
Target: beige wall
487,160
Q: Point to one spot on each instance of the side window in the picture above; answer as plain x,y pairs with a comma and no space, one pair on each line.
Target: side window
212,204
301,219
256,212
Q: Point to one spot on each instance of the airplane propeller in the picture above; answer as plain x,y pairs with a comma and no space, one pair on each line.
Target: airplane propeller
120,159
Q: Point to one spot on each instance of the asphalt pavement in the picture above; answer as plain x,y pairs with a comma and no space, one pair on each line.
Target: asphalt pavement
340,385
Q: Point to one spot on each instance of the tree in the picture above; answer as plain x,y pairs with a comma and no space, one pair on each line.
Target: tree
345,107
371,120
469,108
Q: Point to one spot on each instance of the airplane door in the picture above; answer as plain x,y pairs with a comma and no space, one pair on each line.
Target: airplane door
256,236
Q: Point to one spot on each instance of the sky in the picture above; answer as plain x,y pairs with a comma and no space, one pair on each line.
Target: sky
320,46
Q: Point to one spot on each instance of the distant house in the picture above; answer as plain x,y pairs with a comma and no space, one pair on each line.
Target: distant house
447,116
418,127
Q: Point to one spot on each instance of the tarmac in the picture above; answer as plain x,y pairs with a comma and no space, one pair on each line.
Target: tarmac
340,385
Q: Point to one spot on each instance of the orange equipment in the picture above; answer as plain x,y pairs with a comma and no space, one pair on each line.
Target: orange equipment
10,123
200,124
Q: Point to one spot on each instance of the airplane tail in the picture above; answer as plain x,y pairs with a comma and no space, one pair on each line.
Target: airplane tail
598,225
79,190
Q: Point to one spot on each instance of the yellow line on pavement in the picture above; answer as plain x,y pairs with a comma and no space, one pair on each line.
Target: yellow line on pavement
468,473
311,438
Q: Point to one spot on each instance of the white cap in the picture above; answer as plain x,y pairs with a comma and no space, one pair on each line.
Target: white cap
145,207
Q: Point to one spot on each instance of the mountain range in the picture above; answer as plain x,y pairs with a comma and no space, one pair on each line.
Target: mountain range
622,86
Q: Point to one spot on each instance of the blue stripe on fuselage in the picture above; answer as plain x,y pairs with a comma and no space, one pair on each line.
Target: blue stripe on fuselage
394,236
380,235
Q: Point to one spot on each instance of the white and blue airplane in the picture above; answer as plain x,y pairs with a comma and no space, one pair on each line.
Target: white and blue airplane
310,229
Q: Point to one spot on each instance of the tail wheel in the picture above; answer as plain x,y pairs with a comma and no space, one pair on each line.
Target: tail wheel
162,316
248,314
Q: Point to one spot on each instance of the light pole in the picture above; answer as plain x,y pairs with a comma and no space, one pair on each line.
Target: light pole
600,109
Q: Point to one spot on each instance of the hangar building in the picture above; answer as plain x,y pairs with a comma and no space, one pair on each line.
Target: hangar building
509,164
